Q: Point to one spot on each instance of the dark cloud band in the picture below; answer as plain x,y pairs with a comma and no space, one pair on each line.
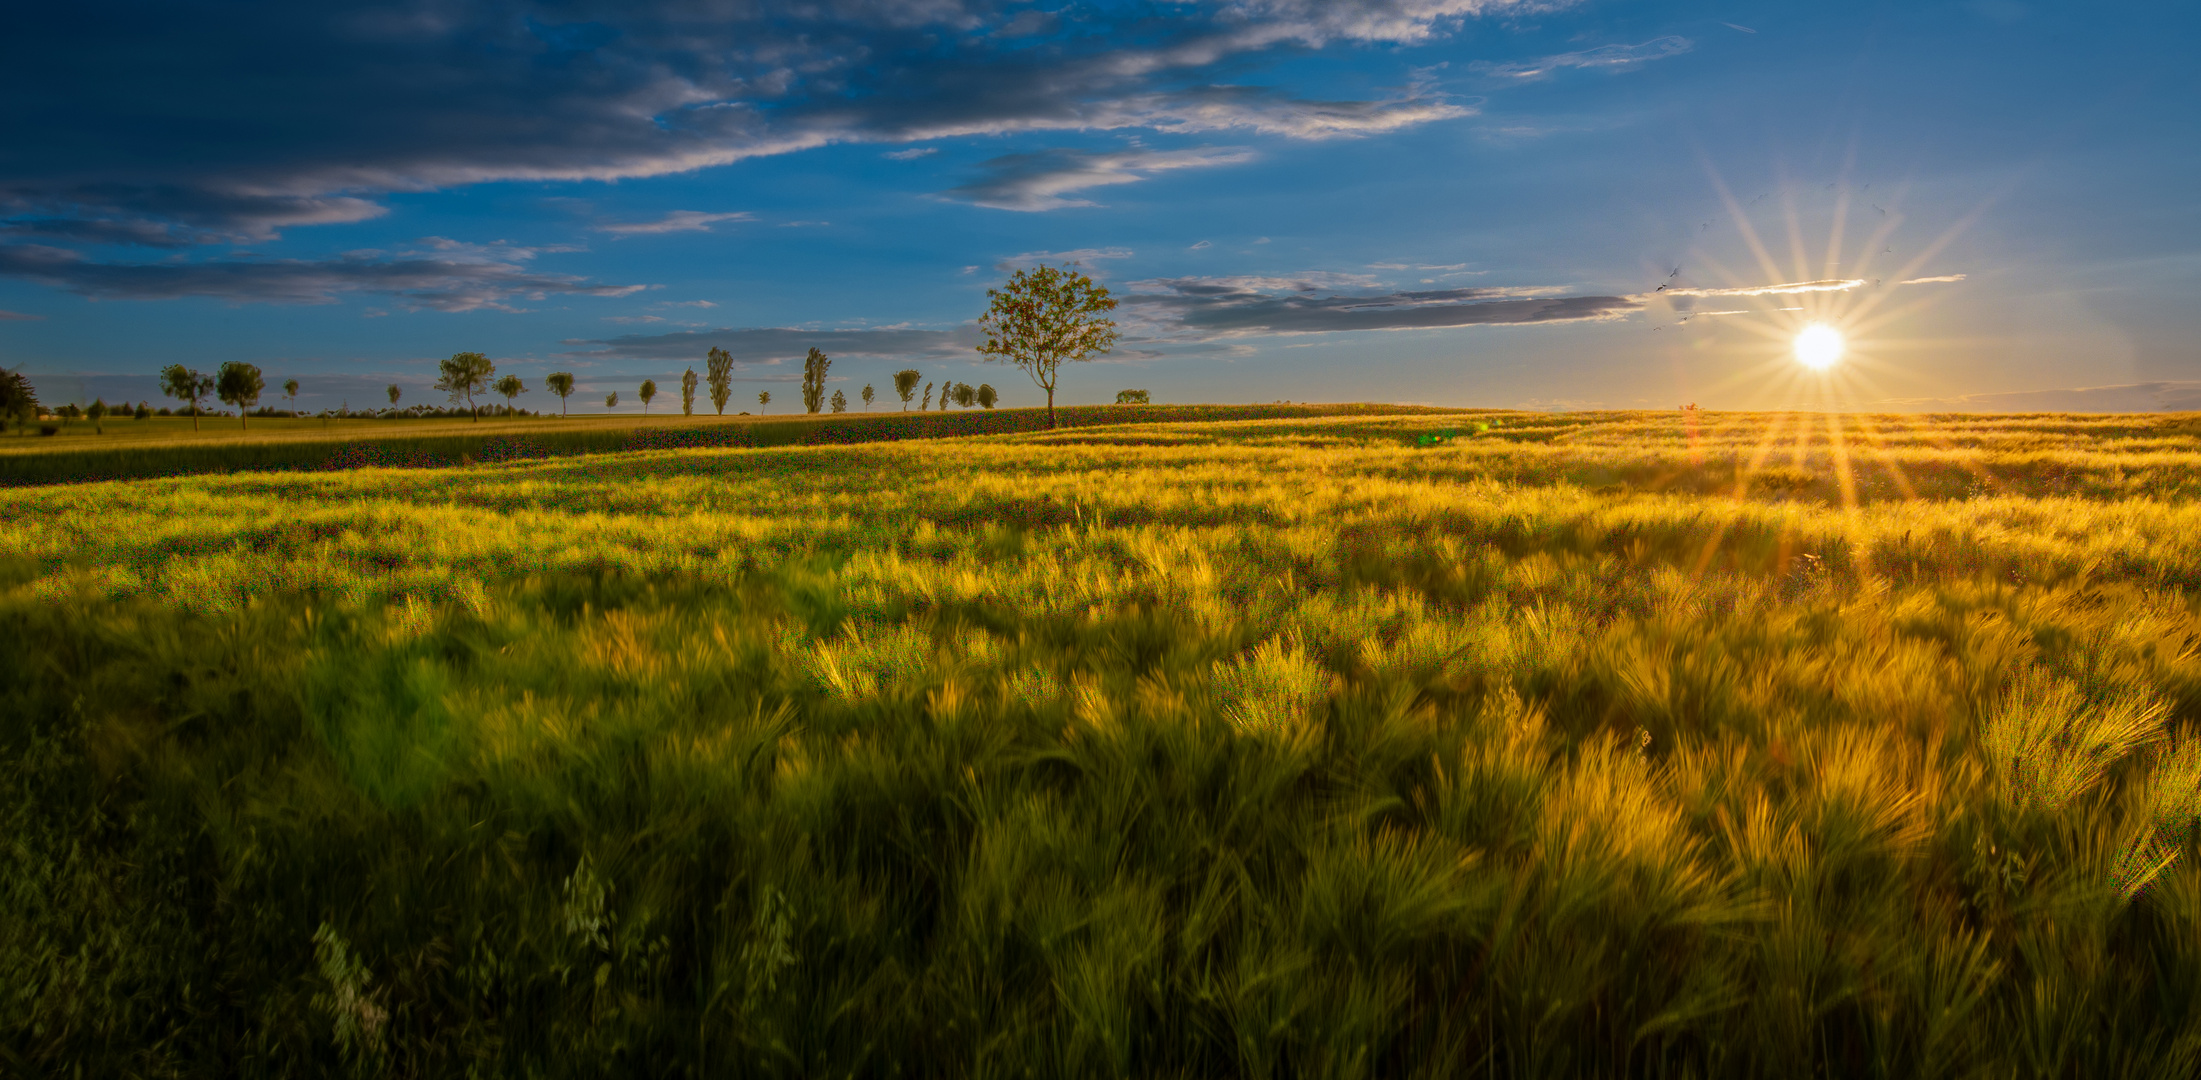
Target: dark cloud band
441,284
1206,307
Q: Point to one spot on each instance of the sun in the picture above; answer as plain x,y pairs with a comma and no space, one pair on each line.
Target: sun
1818,346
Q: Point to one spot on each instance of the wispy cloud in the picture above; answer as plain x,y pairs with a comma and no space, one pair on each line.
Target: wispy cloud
1045,180
773,344
1738,26
1785,289
677,221
1198,308
1609,57
1937,280
911,154
17,316
442,283
1074,257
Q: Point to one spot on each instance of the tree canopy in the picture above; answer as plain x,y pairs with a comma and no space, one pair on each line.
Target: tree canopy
1043,317
184,384
905,384
240,385
464,375
18,401
559,382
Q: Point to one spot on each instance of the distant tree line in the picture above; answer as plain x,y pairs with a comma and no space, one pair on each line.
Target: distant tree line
1035,322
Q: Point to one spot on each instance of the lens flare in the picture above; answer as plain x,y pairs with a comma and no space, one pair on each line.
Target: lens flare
1818,346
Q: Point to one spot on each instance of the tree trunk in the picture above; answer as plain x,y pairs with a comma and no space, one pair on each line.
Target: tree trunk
194,416
1050,408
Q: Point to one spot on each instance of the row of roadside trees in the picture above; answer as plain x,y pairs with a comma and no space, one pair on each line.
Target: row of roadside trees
1037,321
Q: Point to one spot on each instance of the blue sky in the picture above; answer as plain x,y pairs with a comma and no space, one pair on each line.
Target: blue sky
1456,202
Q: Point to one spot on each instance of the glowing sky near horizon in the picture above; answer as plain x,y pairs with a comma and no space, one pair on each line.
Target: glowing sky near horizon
1455,202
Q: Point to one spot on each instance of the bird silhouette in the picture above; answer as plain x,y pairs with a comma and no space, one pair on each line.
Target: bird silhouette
1883,213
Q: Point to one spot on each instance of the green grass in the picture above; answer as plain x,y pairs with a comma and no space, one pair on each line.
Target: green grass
1591,745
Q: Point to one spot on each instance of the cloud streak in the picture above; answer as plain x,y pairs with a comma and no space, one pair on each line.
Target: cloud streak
1046,179
1785,289
1201,308
1608,57
677,221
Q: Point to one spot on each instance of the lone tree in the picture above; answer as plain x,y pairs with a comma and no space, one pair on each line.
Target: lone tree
394,393
184,384
687,393
611,400
764,397
464,375
721,364
649,391
1130,397
868,395
239,385
840,401
559,382
987,396
290,394
905,384
511,387
964,395
18,402
96,413
813,379
1043,317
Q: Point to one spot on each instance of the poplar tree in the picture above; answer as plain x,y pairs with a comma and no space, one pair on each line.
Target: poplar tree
813,380
687,393
720,364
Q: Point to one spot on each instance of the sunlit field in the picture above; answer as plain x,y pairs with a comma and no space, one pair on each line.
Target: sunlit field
1478,744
